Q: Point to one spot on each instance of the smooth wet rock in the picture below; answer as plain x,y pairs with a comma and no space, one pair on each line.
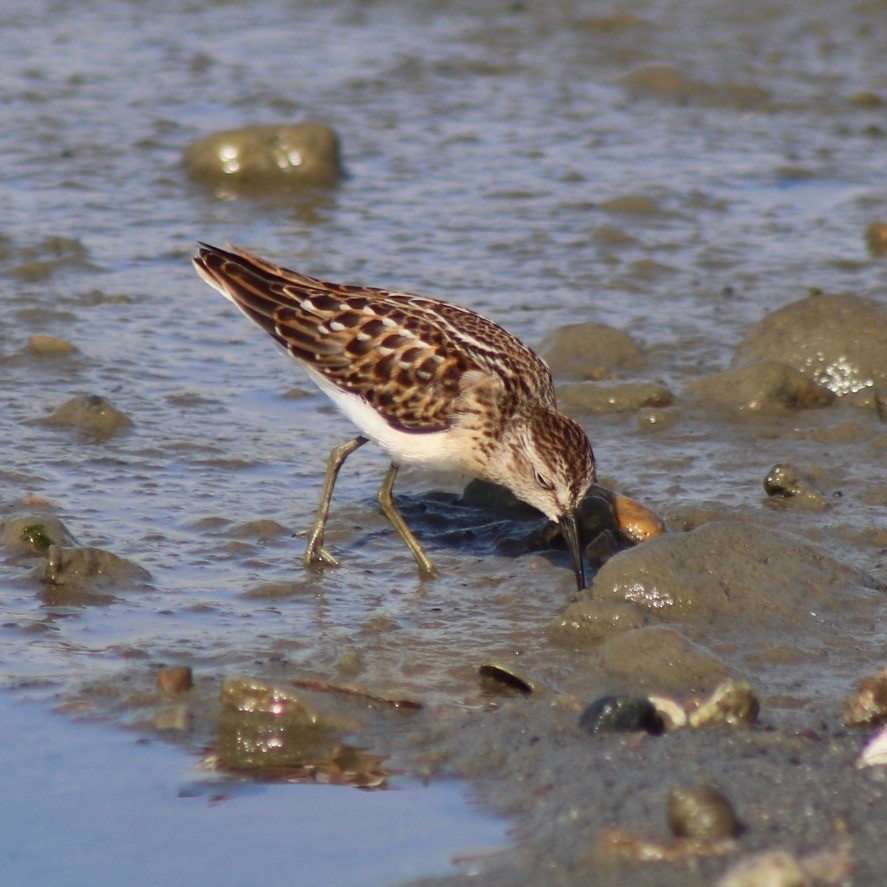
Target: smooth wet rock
610,397
32,534
732,704
765,385
838,341
660,660
868,705
267,158
730,571
92,415
786,483
583,351
622,714
701,812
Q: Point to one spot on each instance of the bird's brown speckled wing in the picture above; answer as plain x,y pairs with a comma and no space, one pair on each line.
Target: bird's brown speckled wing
406,355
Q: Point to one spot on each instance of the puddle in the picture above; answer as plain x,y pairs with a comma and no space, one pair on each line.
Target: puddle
94,806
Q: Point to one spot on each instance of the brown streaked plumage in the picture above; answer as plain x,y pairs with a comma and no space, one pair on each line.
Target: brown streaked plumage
432,383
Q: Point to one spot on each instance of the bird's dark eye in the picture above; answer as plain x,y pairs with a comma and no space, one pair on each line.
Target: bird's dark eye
544,482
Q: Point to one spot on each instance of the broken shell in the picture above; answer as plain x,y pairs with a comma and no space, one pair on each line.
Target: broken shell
874,754
777,868
672,713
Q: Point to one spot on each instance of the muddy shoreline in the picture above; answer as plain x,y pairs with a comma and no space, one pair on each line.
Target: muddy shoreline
682,208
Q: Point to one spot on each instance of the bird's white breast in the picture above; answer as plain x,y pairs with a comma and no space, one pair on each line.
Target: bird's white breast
436,449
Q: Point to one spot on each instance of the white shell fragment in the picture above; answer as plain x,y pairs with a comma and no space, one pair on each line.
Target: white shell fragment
874,754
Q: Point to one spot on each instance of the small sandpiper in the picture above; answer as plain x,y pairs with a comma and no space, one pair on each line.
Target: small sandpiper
431,383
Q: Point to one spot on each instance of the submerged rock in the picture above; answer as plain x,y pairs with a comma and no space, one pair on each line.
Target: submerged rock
838,341
622,397
91,414
589,350
33,534
72,571
267,158
765,385
271,733
49,346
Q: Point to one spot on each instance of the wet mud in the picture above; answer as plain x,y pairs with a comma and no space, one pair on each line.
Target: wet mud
681,207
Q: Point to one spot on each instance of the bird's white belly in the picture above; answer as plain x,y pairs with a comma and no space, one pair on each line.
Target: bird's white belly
437,449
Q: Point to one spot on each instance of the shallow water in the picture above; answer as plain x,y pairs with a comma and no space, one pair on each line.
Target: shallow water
481,142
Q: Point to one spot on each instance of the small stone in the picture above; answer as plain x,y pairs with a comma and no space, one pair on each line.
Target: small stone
622,714
732,703
175,679
868,706
702,813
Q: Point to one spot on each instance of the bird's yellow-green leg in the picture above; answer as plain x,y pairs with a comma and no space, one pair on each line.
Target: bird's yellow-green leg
315,553
389,509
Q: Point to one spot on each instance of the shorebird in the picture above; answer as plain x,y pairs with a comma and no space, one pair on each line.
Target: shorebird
431,383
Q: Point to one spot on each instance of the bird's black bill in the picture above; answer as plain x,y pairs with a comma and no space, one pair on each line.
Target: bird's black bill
571,535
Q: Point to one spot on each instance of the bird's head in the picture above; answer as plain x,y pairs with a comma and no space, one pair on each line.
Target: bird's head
549,464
